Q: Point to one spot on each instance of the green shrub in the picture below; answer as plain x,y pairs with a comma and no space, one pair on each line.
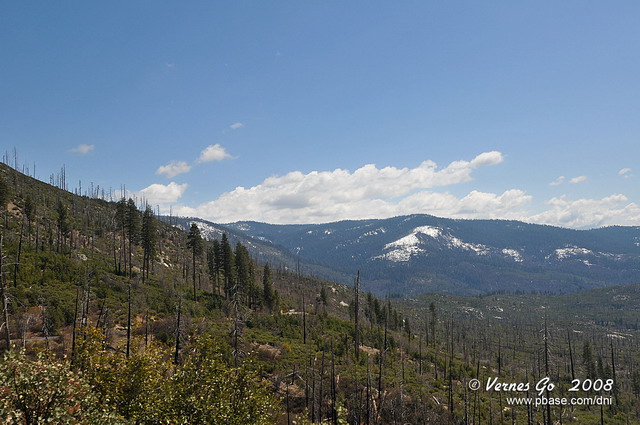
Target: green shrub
43,390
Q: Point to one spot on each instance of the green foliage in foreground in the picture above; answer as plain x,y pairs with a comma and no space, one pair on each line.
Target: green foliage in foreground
42,390
108,388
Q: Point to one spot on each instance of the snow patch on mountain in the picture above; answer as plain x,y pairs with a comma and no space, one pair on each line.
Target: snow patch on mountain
571,251
207,231
375,232
478,248
378,231
404,242
401,254
434,232
450,240
402,249
410,245
513,253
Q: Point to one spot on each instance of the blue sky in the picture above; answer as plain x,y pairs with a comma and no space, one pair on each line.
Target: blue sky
292,98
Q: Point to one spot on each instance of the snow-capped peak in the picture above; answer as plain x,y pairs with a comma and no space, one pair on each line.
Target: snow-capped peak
413,244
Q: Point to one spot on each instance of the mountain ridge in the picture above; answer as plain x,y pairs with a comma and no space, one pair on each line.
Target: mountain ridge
419,253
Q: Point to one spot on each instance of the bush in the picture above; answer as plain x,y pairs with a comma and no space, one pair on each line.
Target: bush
205,390
147,389
43,390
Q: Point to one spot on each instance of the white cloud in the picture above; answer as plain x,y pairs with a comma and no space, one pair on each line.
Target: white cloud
173,169
588,213
487,158
368,192
562,179
213,153
625,172
236,125
372,192
82,149
578,179
558,181
162,194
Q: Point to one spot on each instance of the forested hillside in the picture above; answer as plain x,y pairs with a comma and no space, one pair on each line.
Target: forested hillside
113,316
414,254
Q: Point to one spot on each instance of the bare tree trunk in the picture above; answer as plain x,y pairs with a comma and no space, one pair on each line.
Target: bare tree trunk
37,234
45,325
573,374
73,333
177,350
615,379
195,296
129,319
304,320
383,349
546,366
146,329
321,416
313,392
333,387
357,308
368,415
3,295
16,266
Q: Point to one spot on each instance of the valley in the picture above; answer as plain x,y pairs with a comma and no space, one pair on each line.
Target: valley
152,314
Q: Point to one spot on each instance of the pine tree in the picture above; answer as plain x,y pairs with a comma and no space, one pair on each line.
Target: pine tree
194,243
121,222
434,320
587,360
323,295
244,275
149,240
133,229
29,212
216,266
211,267
5,192
267,288
228,262
63,222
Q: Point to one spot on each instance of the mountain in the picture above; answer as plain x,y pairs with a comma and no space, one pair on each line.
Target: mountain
420,253
118,329
260,248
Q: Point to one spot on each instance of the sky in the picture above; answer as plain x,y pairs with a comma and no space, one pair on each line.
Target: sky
317,111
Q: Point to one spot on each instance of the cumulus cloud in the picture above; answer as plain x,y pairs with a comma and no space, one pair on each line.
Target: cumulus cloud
558,181
368,192
578,179
162,194
625,172
487,158
236,125
588,213
372,192
173,169
82,149
213,153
